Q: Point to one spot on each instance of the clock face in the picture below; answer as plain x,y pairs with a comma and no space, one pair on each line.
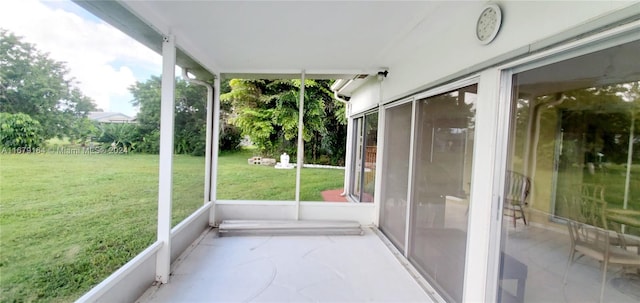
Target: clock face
488,24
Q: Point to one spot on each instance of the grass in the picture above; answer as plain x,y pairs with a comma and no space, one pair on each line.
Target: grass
238,181
67,221
613,179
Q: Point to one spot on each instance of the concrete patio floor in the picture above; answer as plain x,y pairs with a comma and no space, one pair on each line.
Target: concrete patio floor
289,269
351,268
545,252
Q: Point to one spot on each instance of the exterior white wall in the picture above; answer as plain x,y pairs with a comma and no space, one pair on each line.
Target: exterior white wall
362,213
135,277
452,50
367,97
188,231
128,282
528,27
254,210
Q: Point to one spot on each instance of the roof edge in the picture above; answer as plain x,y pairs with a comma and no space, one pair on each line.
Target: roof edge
120,17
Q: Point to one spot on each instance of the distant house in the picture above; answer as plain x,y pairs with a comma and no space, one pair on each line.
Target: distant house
110,117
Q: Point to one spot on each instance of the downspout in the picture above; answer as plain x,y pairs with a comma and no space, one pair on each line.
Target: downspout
337,97
349,130
207,165
381,76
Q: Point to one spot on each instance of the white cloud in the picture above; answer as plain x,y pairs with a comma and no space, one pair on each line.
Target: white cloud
100,57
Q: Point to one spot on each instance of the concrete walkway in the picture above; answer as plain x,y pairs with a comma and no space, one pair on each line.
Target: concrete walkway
333,195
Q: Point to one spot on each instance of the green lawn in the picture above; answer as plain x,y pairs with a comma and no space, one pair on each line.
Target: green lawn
68,221
613,180
239,181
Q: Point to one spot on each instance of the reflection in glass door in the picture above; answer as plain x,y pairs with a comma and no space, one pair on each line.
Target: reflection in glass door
369,157
441,176
596,148
365,151
356,175
574,135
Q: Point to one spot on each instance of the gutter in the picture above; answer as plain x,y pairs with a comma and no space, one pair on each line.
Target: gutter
336,88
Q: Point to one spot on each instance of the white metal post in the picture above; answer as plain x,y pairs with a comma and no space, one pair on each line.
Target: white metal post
410,178
627,181
300,155
481,218
167,105
215,149
377,199
208,148
629,161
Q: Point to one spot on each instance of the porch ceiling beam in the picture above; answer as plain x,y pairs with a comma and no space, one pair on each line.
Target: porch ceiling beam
167,106
121,17
318,74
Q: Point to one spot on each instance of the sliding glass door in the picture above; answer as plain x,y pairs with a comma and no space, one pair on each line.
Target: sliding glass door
365,153
395,181
574,136
427,162
442,171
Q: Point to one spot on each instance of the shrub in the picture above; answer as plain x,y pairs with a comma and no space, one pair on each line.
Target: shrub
230,137
120,135
324,160
20,131
149,143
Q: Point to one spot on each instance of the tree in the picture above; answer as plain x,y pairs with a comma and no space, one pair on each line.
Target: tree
603,115
190,117
81,129
33,84
267,111
146,96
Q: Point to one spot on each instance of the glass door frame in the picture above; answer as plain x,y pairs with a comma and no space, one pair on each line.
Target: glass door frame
355,189
358,145
602,40
382,128
474,79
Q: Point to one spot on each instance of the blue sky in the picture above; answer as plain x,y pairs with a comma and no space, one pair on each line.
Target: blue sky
104,61
71,7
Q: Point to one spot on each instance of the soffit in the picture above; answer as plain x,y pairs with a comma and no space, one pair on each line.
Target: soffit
328,39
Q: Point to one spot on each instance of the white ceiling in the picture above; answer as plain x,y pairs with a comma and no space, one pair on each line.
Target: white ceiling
609,66
325,38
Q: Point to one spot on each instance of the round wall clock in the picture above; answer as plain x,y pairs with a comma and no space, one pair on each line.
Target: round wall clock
488,23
